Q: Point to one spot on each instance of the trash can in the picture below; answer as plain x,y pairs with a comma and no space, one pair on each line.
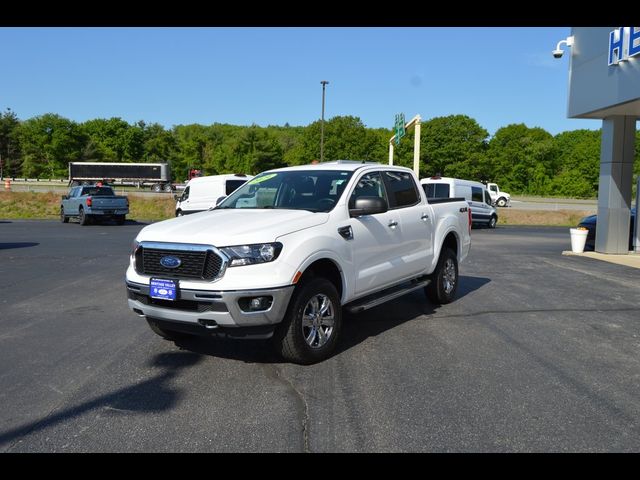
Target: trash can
578,239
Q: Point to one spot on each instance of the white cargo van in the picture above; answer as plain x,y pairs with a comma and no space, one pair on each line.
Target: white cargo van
475,193
202,193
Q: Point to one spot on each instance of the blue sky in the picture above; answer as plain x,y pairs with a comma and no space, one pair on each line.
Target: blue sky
271,75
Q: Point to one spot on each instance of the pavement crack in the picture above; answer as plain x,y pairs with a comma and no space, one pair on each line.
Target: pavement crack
280,376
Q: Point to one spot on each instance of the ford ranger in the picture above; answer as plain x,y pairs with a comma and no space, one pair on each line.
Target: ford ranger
285,253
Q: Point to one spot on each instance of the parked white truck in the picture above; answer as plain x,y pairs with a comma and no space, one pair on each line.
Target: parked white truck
285,253
498,197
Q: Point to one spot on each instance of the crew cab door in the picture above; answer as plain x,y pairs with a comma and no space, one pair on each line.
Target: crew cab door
414,248
392,246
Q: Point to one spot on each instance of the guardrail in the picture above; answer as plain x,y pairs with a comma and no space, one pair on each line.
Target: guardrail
20,179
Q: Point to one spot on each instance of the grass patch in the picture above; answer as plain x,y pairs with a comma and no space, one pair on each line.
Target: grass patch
46,205
558,218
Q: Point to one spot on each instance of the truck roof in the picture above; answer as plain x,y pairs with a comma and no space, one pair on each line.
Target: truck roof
350,165
220,178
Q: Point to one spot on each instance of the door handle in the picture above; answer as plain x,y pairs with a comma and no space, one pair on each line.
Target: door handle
424,217
393,224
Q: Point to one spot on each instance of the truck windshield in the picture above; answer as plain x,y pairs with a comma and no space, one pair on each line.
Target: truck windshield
313,190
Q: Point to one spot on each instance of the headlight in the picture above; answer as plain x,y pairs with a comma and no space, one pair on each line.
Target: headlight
252,254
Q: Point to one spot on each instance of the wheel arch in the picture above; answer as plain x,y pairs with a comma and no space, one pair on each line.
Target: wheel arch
325,268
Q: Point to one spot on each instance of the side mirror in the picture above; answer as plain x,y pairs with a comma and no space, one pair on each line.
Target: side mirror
220,199
65,197
368,206
177,197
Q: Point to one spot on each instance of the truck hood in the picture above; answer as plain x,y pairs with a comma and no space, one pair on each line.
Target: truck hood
231,227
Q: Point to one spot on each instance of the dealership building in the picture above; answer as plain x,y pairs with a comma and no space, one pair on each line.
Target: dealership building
604,82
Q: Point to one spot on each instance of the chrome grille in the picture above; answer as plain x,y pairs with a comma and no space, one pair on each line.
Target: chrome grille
199,262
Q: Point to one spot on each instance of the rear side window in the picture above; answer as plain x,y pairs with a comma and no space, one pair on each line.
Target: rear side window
476,194
401,189
436,190
232,185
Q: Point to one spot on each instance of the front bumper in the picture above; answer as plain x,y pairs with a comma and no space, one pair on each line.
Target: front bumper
208,308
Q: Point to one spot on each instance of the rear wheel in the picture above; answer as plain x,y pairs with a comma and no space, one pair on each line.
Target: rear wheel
170,335
167,188
120,219
444,281
82,217
156,187
311,327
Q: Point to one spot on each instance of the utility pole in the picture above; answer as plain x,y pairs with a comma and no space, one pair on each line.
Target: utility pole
324,84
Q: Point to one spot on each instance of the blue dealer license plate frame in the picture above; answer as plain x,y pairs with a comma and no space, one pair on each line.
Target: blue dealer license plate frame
163,289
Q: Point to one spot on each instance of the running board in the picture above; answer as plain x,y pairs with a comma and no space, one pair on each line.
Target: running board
383,296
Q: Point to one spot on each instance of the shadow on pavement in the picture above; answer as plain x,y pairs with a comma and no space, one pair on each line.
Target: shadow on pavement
355,328
153,395
6,246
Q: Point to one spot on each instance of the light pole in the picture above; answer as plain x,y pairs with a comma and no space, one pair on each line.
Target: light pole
324,84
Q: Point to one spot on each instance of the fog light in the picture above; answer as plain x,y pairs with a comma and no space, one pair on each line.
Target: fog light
255,304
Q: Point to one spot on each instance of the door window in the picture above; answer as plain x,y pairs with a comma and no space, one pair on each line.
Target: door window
401,189
369,185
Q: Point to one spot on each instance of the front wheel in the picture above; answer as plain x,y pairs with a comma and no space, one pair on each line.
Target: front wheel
501,202
444,281
493,222
63,217
120,219
311,327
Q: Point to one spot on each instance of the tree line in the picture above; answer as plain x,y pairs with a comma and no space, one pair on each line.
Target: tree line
522,160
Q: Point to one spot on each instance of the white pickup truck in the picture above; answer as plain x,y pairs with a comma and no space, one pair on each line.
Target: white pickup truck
285,253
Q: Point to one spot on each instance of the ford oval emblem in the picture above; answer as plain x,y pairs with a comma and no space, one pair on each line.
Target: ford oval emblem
170,262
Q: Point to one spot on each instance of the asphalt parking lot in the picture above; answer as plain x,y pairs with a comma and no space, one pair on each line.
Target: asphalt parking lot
540,352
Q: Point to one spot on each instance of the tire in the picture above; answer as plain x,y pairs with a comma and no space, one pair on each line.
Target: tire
63,217
167,188
179,213
444,281
493,221
308,334
120,219
170,335
501,202
82,217
156,187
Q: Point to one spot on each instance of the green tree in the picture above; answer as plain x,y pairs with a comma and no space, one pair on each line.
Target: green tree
48,143
522,159
256,151
577,164
10,154
453,146
114,140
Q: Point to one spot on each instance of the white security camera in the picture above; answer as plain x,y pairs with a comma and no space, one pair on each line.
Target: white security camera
557,53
